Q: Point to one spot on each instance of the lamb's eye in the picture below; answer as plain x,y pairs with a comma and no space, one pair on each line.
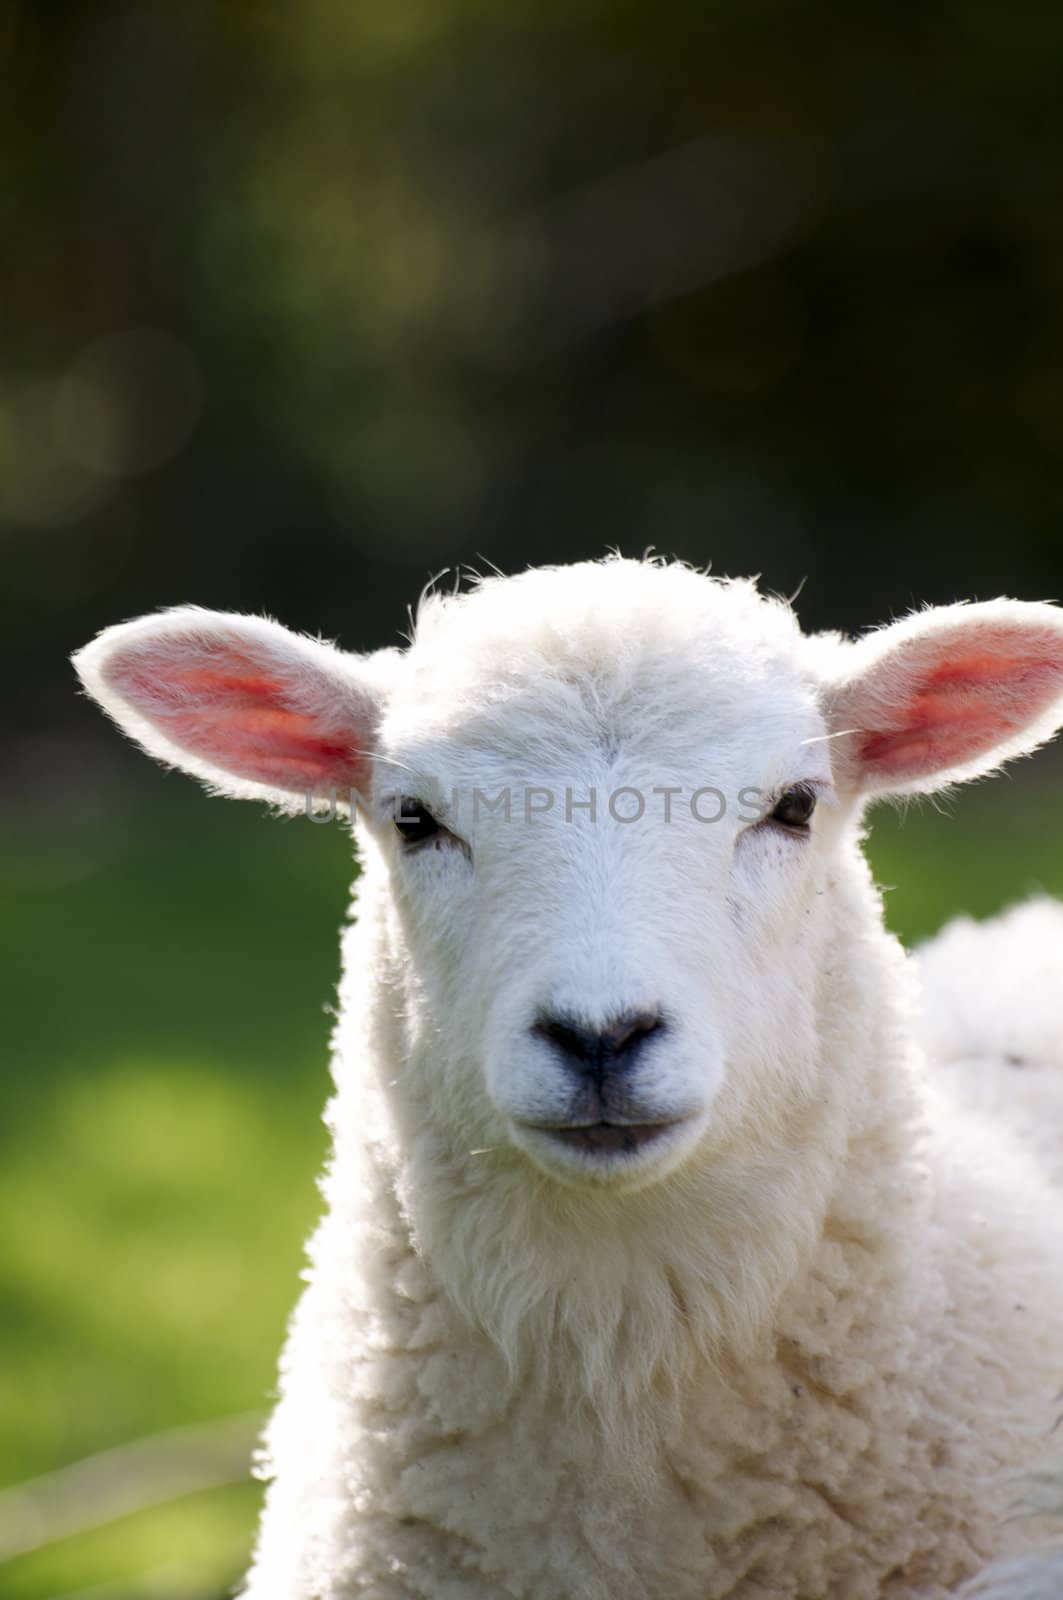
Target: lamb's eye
795,807
415,822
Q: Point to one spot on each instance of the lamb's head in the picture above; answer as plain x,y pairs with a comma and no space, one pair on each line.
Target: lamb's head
607,865
604,806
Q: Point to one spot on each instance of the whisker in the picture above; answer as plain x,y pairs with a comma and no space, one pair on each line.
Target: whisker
821,738
388,761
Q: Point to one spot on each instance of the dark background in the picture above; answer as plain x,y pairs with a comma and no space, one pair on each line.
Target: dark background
301,305
769,286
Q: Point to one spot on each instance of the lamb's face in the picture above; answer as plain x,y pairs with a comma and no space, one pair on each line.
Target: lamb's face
603,799
606,876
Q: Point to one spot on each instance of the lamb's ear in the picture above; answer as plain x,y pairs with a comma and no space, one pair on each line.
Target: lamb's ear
253,710
947,694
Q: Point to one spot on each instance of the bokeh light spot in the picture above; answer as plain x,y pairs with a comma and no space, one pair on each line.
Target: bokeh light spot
130,401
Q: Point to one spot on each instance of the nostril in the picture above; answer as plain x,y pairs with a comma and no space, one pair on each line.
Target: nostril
569,1039
598,1050
630,1030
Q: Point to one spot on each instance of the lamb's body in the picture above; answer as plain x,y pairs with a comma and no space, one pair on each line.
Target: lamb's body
853,1450
991,1022
789,1347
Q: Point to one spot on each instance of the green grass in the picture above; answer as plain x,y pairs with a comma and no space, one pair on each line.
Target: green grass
163,1083
163,1080
191,1549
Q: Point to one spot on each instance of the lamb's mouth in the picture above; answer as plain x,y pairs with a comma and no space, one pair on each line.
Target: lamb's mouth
607,1138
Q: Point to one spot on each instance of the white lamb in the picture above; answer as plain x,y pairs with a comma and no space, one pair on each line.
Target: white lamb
655,1267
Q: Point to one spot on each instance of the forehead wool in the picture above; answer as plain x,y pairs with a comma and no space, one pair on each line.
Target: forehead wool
605,618
615,647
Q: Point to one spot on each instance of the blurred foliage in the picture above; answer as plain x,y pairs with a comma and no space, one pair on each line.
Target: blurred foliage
301,306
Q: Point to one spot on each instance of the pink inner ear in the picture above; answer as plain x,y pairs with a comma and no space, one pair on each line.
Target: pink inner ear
962,707
224,709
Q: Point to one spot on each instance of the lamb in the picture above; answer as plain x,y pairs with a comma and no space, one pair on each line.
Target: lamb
657,1263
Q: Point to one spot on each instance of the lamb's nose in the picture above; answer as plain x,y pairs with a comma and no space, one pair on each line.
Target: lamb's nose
598,1052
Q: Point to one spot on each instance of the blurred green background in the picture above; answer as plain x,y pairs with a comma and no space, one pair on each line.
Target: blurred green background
299,307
